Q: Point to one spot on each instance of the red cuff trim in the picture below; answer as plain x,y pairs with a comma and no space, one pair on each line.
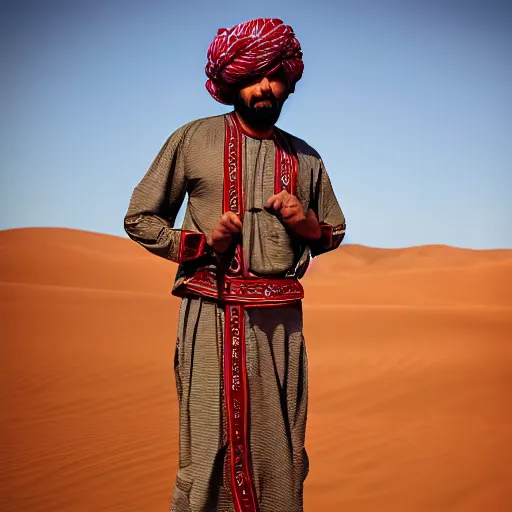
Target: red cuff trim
326,235
192,245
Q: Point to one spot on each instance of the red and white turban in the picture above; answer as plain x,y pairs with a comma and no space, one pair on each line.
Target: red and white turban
252,49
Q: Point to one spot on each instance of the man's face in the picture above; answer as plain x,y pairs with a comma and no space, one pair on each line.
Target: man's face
260,102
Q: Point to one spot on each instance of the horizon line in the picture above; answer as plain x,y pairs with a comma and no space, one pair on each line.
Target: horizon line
346,244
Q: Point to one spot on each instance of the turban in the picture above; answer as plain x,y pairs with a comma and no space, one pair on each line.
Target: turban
252,49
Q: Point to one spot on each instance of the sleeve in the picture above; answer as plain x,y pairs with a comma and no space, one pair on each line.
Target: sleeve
327,209
155,203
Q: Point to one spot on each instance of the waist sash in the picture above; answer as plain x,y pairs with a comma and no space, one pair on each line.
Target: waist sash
249,291
237,290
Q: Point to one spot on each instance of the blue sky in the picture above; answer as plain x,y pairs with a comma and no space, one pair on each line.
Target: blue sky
409,104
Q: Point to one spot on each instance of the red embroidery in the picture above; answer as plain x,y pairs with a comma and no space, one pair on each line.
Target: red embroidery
235,385
242,290
286,166
249,291
192,245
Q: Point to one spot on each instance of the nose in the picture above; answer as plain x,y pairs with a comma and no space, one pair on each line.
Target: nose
265,85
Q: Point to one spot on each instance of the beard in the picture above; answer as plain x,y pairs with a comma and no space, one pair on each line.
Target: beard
259,116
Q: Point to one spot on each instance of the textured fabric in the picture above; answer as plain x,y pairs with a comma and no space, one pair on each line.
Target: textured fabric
191,161
251,49
277,374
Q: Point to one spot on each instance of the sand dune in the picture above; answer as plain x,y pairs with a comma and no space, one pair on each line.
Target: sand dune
410,355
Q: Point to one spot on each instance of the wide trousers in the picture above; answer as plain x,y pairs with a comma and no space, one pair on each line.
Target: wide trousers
277,376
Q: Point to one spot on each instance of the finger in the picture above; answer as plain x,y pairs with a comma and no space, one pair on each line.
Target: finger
235,219
223,232
281,196
225,219
292,200
278,203
270,201
285,197
231,225
287,212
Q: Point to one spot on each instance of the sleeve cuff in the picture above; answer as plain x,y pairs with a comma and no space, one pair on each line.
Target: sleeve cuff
326,236
330,238
192,245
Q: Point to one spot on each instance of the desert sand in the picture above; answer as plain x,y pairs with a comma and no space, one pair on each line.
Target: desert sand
410,368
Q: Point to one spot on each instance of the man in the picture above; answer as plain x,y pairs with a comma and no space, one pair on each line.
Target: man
260,204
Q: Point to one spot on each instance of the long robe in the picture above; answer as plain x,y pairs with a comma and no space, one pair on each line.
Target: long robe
191,162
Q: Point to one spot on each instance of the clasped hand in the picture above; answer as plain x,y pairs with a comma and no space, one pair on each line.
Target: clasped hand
286,206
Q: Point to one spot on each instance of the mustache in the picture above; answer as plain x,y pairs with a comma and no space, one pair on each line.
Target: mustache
269,97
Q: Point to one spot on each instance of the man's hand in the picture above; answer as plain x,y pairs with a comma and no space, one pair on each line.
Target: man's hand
288,207
289,210
228,225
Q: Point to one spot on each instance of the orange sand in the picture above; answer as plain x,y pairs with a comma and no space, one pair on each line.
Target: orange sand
410,354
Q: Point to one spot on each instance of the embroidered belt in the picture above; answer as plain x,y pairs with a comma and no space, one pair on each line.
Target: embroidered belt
236,290
250,291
